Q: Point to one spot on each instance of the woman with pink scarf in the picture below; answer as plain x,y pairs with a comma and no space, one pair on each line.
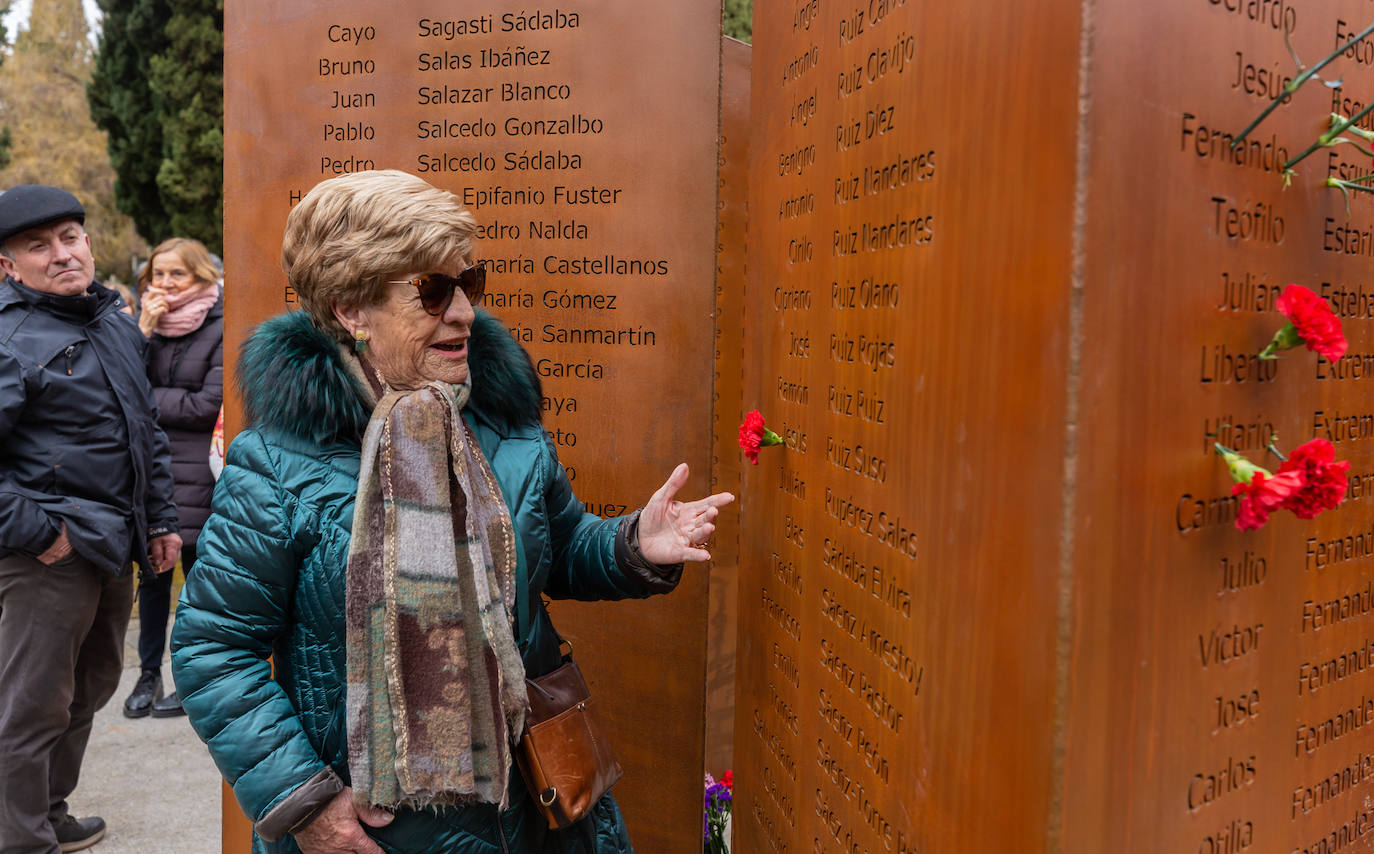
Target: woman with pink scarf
183,317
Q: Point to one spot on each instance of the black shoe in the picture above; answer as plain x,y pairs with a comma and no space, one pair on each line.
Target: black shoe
168,707
148,689
74,834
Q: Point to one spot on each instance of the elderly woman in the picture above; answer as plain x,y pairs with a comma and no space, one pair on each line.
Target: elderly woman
183,317
396,483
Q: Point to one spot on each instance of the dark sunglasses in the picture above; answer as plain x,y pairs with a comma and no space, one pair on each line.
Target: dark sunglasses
436,289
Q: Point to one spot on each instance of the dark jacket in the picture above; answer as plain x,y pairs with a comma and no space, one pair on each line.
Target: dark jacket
79,441
187,374
270,581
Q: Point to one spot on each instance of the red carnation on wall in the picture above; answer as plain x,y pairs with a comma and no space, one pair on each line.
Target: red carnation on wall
1310,321
1311,480
1324,478
753,435
1263,495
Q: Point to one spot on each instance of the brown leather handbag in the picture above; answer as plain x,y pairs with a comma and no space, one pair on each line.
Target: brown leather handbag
564,754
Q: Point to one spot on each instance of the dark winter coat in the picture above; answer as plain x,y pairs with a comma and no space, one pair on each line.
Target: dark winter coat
187,374
270,581
79,440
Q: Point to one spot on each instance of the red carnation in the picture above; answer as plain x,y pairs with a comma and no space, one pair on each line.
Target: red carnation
753,435
728,778
1324,479
1310,321
1263,495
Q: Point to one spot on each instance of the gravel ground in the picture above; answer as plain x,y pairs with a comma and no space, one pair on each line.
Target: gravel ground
151,779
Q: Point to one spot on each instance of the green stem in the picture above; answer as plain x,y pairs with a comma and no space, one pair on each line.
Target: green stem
1366,135
1345,187
1360,148
1340,185
1349,185
1325,139
1285,339
1242,470
1295,83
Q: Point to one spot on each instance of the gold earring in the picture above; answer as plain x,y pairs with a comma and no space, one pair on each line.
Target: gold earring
359,340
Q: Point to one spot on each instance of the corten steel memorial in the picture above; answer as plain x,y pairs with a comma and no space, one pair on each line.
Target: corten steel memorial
727,401
1007,284
583,137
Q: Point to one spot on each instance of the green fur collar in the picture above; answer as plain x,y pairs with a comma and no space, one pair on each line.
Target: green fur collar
293,379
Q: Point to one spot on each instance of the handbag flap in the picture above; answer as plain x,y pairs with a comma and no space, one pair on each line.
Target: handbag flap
554,692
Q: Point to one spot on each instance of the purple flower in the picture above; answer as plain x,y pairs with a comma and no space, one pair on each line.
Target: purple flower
717,802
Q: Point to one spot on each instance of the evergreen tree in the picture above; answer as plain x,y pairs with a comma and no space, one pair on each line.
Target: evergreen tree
54,141
158,91
739,19
123,104
188,80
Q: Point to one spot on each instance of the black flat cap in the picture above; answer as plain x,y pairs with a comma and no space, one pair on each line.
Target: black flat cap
31,205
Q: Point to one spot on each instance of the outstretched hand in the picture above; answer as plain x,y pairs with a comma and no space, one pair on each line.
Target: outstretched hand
672,531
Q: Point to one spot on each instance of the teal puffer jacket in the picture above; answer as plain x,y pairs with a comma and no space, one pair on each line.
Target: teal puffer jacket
270,581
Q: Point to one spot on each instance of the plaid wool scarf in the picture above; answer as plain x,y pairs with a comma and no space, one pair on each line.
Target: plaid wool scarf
436,687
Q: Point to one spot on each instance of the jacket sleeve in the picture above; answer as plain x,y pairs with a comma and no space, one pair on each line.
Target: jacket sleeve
193,410
233,608
161,502
595,558
24,525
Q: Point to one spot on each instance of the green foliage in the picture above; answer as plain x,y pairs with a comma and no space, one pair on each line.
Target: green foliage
52,138
122,103
739,19
188,80
158,91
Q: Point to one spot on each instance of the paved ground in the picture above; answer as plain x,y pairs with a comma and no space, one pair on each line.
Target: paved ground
150,779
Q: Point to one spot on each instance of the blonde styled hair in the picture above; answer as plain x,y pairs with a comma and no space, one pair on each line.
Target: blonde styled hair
351,234
191,252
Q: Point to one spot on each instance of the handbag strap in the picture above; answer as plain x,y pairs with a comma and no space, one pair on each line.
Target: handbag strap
524,614
533,684
524,607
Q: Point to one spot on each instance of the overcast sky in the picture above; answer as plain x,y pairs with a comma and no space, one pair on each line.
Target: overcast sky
19,14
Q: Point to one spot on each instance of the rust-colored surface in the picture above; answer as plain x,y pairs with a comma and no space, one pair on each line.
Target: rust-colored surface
236,829
899,580
601,262
727,411
1195,721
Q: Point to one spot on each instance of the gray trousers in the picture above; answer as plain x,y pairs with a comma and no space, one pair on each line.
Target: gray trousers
61,643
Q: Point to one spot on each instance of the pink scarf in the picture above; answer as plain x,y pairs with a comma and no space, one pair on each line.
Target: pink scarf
186,311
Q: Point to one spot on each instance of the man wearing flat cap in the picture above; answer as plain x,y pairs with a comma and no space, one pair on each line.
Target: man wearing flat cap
85,490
